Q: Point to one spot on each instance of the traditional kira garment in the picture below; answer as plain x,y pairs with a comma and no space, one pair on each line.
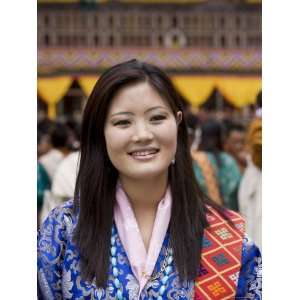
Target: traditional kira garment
230,267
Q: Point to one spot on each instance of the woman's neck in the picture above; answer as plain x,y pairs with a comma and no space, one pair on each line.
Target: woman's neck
145,194
144,197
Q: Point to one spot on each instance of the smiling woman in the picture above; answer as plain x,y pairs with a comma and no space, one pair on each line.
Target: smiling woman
141,135
139,226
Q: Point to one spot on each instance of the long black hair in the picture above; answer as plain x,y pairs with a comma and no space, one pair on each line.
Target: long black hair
95,189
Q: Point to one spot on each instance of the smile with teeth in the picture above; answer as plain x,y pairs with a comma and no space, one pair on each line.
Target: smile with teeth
143,154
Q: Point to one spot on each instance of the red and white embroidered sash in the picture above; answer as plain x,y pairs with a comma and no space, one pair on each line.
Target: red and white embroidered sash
221,257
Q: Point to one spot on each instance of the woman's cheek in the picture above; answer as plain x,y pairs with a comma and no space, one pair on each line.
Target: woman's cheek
112,139
167,134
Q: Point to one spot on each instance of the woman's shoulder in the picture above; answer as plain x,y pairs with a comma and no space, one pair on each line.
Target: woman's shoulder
231,230
250,250
54,243
229,251
232,226
225,229
66,209
250,275
61,219
229,216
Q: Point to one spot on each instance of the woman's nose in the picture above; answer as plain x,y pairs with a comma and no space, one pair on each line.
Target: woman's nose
142,133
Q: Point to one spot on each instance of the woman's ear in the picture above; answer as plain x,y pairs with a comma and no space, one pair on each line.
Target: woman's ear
178,117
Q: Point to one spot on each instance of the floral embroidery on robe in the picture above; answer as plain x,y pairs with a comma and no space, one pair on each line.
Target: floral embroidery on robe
59,275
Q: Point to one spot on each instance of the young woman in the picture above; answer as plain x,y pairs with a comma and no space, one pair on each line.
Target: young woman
139,226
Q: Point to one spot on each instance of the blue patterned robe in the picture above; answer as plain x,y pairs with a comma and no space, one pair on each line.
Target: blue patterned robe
59,274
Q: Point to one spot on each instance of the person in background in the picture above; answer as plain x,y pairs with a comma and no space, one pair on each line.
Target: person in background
234,142
63,185
59,135
64,180
45,125
225,167
204,170
194,130
43,143
139,226
43,184
74,134
249,196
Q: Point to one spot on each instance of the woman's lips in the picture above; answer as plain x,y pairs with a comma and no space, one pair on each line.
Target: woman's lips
144,154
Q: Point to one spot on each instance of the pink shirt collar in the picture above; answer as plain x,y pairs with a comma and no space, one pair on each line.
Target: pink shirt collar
142,263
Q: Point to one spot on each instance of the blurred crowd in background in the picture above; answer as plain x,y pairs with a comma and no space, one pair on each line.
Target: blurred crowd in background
226,152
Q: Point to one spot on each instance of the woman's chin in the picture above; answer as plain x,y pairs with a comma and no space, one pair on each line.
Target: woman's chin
145,173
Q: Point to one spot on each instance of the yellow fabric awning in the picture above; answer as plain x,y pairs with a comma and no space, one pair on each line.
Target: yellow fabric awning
195,89
87,83
52,91
240,91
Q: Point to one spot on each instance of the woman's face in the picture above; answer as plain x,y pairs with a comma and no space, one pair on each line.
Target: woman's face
141,132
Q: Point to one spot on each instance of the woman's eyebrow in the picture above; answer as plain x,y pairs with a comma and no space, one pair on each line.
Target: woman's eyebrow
122,113
130,113
156,107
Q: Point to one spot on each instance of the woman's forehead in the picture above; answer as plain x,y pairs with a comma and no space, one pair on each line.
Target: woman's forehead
140,96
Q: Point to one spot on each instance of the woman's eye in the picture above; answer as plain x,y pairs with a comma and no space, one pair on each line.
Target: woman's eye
158,118
121,123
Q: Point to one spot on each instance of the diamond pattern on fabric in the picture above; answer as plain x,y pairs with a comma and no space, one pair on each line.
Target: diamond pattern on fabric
221,257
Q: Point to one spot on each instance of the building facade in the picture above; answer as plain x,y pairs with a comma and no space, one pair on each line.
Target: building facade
228,28
212,24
